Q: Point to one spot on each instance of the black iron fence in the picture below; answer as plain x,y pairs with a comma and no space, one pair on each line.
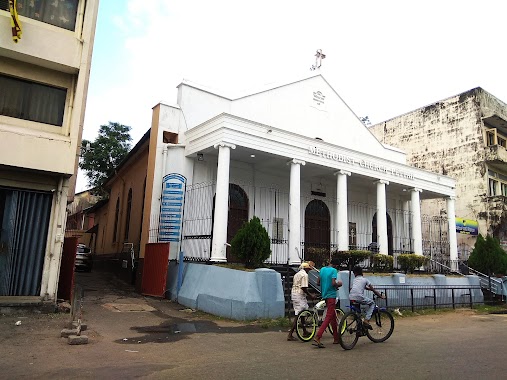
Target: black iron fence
429,296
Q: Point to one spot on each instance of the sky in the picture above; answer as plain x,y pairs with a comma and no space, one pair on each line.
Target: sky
384,58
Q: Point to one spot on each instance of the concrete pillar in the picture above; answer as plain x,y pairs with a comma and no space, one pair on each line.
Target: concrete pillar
51,270
382,217
407,244
416,220
295,212
218,250
341,217
453,244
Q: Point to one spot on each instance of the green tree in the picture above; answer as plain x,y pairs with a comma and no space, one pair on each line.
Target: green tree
252,244
488,256
100,157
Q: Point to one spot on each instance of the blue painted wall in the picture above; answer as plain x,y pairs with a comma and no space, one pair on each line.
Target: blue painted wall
422,298
228,293
244,295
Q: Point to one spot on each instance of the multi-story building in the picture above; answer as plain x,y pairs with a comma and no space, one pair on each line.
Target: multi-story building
43,87
464,137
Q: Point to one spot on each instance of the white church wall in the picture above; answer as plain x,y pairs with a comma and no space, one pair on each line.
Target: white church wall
199,105
312,108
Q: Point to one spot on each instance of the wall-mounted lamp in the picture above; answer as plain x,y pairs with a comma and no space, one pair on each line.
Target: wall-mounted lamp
200,157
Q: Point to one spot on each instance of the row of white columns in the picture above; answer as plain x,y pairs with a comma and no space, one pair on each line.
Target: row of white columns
218,253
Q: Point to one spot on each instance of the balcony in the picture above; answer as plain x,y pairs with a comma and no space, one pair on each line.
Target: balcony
496,157
50,34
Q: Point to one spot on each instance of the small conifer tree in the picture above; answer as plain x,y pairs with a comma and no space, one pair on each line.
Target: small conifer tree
252,243
488,256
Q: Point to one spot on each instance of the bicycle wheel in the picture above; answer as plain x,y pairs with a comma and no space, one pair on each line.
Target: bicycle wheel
306,325
339,315
349,324
383,326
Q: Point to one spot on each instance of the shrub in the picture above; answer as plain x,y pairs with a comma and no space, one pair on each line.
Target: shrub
488,256
350,259
251,243
409,262
382,263
320,256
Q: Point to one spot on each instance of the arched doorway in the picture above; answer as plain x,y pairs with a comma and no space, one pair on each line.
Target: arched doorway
238,214
317,225
389,233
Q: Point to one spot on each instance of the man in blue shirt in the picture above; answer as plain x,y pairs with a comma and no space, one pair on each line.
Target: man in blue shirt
329,283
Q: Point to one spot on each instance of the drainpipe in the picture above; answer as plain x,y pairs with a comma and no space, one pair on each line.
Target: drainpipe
164,159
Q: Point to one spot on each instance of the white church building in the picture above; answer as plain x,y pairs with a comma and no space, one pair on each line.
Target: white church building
297,157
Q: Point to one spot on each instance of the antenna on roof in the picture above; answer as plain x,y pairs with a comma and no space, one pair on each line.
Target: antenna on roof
319,56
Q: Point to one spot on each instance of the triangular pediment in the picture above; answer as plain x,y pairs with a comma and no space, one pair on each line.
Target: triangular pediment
309,107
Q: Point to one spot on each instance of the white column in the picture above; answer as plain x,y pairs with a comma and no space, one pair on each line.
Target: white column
341,217
382,217
416,220
406,226
453,244
295,212
218,252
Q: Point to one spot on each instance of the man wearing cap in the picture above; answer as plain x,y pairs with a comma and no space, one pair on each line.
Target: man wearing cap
299,292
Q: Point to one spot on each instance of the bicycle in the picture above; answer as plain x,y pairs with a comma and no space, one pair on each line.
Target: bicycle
308,321
352,325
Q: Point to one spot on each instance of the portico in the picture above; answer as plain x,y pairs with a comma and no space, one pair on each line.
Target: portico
373,181
315,176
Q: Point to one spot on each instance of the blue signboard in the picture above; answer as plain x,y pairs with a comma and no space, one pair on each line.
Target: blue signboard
171,207
467,227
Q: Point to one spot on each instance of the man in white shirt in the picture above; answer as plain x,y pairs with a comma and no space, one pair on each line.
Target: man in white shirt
299,292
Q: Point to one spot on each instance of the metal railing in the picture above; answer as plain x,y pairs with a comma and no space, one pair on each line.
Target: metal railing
493,284
429,296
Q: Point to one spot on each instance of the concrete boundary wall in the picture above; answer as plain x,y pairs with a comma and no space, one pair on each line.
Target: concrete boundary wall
242,295
400,280
227,292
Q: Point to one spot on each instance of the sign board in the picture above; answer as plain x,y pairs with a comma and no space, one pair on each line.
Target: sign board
171,207
467,227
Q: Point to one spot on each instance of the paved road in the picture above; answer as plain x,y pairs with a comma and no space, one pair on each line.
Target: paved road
135,337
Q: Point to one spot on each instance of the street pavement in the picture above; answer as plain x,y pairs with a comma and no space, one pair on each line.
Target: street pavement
131,336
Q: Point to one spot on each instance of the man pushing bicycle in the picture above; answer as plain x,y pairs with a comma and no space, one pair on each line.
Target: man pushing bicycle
299,293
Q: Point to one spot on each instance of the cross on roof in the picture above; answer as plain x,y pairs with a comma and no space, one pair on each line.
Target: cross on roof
319,56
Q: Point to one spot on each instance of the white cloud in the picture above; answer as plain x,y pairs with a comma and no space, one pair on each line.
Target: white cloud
383,58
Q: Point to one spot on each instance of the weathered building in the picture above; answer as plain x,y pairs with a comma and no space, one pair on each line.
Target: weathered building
464,137
44,69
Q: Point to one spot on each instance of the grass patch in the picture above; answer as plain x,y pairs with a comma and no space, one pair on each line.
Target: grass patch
235,266
490,309
270,323
478,309
265,323
418,312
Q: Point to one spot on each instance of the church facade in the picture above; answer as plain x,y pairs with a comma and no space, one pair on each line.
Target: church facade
293,155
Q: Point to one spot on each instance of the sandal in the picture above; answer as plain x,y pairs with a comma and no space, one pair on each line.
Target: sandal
291,338
317,343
